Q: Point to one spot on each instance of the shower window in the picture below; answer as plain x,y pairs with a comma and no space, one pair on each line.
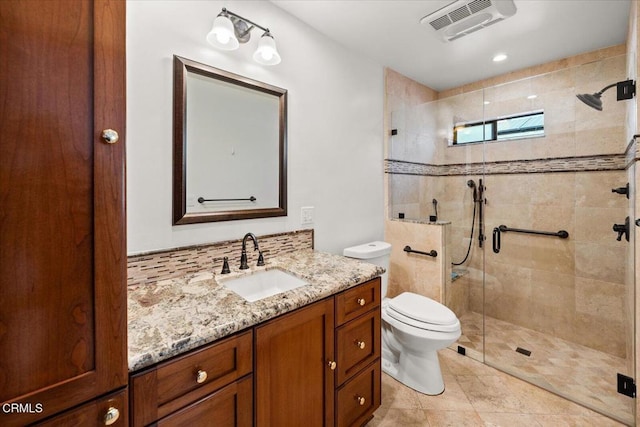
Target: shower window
520,126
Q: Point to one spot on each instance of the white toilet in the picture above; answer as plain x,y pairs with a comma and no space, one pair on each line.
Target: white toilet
414,328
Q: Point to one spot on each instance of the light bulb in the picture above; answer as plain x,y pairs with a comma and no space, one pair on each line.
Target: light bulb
223,38
267,54
222,34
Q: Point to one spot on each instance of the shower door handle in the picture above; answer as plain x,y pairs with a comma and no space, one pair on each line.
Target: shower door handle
496,240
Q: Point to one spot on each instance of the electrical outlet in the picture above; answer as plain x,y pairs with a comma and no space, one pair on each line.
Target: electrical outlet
306,215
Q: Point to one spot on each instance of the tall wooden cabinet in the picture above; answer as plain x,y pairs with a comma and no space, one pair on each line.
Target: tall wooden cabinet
62,212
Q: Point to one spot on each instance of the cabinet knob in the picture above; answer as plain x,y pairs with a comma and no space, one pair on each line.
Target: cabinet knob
201,376
361,345
111,416
332,365
361,301
361,400
110,136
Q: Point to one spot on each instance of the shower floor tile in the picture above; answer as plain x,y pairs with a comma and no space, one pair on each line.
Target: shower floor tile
479,395
579,373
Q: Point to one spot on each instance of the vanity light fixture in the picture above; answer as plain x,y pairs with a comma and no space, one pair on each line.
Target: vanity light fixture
230,29
625,90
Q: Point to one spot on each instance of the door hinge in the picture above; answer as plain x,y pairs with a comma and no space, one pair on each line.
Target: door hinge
626,385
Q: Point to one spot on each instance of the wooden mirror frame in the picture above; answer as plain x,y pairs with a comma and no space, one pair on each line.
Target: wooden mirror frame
181,67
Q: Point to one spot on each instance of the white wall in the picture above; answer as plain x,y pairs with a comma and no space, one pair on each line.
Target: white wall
335,133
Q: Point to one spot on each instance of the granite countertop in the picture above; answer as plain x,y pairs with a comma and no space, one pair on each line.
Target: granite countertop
173,316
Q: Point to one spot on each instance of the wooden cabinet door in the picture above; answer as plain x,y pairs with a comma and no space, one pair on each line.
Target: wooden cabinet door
294,384
62,207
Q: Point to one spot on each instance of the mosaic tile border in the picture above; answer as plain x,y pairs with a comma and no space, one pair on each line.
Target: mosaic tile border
152,267
557,164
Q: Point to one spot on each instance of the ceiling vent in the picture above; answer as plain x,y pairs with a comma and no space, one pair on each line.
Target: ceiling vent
463,17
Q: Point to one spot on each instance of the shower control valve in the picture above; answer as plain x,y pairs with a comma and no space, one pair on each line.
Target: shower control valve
622,229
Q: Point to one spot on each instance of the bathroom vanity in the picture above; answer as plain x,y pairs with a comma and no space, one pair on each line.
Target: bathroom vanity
309,356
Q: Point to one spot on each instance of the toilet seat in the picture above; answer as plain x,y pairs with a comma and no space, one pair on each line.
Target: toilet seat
422,313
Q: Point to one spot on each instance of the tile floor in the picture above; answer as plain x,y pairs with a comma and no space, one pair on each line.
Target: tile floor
586,375
478,395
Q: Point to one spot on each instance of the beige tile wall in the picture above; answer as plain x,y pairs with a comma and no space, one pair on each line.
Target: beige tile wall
402,94
573,288
418,273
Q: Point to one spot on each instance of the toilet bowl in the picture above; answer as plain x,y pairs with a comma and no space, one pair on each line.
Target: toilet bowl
414,328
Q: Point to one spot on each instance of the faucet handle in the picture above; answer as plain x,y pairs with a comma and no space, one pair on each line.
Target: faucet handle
225,266
260,259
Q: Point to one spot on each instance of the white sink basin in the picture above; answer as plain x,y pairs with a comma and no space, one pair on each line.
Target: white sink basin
262,284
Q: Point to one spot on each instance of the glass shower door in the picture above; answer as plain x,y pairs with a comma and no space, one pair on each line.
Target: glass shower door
558,285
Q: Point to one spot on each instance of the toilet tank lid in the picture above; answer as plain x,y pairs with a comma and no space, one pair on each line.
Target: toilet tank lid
368,250
422,309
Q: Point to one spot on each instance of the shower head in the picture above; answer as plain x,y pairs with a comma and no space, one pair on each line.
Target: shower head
472,184
626,90
592,100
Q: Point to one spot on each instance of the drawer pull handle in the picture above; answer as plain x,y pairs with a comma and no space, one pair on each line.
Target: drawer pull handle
361,345
332,365
201,376
111,416
361,400
361,301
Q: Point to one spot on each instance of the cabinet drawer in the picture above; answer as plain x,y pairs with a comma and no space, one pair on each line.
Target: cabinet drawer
230,406
358,399
174,384
356,301
357,344
95,413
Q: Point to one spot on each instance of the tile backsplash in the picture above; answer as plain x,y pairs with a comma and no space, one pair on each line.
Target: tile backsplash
155,266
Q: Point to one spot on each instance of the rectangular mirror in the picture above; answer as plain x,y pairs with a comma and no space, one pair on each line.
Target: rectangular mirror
229,146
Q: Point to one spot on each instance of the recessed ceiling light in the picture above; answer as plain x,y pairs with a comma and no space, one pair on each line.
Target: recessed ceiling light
500,57
532,96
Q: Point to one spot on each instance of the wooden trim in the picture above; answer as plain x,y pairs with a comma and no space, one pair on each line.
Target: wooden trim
110,240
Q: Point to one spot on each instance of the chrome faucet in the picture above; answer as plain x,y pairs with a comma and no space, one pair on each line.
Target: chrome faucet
243,257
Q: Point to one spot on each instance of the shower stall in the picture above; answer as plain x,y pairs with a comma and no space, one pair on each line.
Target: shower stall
531,184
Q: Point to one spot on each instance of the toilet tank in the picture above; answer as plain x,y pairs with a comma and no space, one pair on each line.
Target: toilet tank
377,253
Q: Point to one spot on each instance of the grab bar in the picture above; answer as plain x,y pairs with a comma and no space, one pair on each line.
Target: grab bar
432,253
202,200
561,234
